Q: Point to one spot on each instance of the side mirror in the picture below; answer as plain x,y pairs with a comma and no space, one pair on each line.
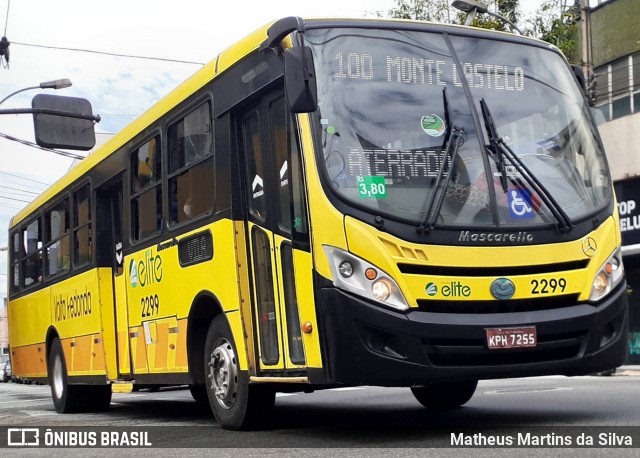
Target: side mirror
300,80
63,122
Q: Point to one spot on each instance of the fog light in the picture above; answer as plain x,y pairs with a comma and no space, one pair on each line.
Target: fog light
345,269
381,290
601,282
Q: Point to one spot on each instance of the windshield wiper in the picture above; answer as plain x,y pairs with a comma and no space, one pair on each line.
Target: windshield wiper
502,151
452,144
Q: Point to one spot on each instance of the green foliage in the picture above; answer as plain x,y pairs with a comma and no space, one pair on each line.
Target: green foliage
556,23
509,9
442,11
422,10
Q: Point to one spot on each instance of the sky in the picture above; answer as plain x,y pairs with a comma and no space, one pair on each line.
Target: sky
119,88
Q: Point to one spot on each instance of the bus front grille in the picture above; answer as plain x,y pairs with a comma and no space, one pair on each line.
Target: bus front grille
498,306
474,352
489,271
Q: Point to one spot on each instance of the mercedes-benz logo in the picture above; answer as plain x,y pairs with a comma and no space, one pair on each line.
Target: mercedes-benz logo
503,288
589,246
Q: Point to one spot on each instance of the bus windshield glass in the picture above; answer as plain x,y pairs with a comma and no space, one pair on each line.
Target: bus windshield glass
390,102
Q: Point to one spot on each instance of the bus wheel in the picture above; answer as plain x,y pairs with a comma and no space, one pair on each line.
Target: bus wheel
73,398
235,403
66,398
443,396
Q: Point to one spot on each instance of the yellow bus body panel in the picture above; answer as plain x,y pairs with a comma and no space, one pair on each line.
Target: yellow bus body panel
78,309
158,342
303,266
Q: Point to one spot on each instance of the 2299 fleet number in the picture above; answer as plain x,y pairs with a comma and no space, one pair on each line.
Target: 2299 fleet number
150,305
548,286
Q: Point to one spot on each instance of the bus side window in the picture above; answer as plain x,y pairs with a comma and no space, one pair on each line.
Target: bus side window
14,262
146,190
300,226
191,175
32,262
82,227
58,250
255,168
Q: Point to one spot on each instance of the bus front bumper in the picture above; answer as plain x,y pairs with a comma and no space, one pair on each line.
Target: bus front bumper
365,344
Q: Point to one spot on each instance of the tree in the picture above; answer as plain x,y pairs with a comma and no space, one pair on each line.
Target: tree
509,9
442,11
422,10
556,22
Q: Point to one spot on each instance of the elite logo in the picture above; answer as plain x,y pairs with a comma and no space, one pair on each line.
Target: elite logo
451,289
146,271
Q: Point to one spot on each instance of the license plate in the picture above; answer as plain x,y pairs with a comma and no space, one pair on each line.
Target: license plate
498,338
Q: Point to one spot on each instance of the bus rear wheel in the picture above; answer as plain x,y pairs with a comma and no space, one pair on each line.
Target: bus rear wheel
69,398
442,396
235,403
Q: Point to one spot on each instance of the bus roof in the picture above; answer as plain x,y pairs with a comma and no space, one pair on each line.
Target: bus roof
222,62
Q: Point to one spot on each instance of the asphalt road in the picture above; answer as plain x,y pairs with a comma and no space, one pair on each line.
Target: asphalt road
366,421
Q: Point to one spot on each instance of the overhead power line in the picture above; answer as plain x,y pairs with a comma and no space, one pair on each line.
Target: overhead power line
26,191
24,178
6,22
108,53
17,200
33,145
12,207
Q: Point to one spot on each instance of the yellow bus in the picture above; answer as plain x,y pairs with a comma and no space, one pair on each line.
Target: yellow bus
327,203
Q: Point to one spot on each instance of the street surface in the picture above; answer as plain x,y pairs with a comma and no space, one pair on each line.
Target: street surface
346,421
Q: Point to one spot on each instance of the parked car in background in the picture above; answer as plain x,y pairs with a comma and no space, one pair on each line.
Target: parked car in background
5,371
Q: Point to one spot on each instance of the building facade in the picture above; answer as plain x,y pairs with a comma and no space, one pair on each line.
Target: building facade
612,51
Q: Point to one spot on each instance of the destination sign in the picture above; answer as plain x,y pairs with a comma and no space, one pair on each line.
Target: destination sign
416,70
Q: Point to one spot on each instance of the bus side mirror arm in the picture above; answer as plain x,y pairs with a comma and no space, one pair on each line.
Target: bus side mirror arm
299,72
280,29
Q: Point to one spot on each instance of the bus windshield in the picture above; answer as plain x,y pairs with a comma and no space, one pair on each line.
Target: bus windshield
390,102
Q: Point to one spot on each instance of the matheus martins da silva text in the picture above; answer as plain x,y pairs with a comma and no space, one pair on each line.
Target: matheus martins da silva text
534,440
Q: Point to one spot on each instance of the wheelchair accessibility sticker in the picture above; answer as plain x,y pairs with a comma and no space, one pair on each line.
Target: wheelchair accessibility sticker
520,203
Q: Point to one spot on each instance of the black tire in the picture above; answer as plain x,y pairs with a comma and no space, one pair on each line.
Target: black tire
199,393
235,403
69,398
442,396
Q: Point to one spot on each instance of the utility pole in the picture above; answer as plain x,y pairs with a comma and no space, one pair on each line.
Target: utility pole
585,23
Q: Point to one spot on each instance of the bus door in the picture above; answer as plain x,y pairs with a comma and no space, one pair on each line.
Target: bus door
265,140
111,254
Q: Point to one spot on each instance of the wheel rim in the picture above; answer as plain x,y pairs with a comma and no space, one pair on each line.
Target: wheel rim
223,374
57,382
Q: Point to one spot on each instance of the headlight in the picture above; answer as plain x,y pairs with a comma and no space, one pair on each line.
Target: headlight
357,276
609,275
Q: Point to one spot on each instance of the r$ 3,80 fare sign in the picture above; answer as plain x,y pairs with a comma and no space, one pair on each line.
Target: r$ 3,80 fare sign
371,187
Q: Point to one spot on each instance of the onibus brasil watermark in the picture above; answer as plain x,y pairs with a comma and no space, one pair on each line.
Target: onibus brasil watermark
48,437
